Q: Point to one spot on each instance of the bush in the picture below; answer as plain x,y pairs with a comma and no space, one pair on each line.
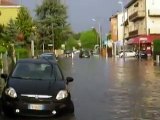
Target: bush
156,48
22,53
156,45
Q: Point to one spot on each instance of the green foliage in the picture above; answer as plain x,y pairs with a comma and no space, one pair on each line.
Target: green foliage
24,23
1,34
2,49
109,36
1,29
156,44
10,32
52,22
77,36
71,43
88,39
22,53
156,48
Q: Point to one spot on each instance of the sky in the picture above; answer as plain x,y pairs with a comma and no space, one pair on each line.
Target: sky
81,12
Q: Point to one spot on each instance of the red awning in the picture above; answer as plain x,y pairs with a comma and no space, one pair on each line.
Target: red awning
143,39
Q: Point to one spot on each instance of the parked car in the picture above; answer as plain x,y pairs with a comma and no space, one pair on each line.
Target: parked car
127,54
142,54
48,56
84,54
36,87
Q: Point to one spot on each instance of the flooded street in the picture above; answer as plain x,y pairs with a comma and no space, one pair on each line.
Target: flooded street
110,89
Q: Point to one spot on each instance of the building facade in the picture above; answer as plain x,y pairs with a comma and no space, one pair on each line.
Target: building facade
143,23
118,31
8,10
114,33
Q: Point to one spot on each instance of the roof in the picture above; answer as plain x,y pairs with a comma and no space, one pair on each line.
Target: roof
130,3
113,16
7,3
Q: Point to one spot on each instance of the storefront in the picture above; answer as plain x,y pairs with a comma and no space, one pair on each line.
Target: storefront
143,42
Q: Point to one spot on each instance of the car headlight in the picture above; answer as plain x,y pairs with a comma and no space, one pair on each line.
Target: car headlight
62,94
11,92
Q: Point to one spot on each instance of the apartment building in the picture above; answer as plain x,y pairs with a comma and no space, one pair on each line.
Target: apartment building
143,23
117,31
114,32
8,10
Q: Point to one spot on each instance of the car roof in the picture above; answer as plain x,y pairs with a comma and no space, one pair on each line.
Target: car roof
31,60
49,53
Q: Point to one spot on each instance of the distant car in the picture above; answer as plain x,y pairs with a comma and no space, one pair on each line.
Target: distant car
68,53
142,54
36,87
127,54
48,56
84,54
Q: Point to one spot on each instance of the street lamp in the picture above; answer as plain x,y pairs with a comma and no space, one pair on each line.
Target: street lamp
123,20
100,34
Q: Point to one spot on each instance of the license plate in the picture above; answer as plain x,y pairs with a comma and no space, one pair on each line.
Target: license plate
35,107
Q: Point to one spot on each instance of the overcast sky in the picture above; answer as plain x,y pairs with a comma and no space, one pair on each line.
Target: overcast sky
81,12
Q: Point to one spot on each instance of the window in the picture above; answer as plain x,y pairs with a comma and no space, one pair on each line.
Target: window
136,4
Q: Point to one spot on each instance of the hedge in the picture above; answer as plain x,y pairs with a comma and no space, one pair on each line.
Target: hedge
22,53
156,48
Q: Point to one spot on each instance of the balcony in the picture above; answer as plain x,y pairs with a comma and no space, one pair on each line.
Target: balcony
137,15
154,13
126,23
133,33
126,35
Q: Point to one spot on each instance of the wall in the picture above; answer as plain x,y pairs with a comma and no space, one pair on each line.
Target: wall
7,13
113,23
153,22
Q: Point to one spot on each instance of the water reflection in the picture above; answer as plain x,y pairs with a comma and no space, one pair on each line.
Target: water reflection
138,96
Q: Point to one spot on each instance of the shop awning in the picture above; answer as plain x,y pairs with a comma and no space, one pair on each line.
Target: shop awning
143,39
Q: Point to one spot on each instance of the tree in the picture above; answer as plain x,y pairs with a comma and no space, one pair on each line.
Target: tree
24,24
10,32
52,20
77,36
109,36
88,39
71,43
1,29
1,32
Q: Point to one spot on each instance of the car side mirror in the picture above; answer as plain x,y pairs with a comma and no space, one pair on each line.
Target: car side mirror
69,79
4,76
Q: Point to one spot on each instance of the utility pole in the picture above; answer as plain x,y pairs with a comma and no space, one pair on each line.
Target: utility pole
100,37
53,38
123,20
100,34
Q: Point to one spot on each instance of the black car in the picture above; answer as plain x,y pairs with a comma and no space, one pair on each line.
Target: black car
142,54
49,56
36,87
84,54
68,53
